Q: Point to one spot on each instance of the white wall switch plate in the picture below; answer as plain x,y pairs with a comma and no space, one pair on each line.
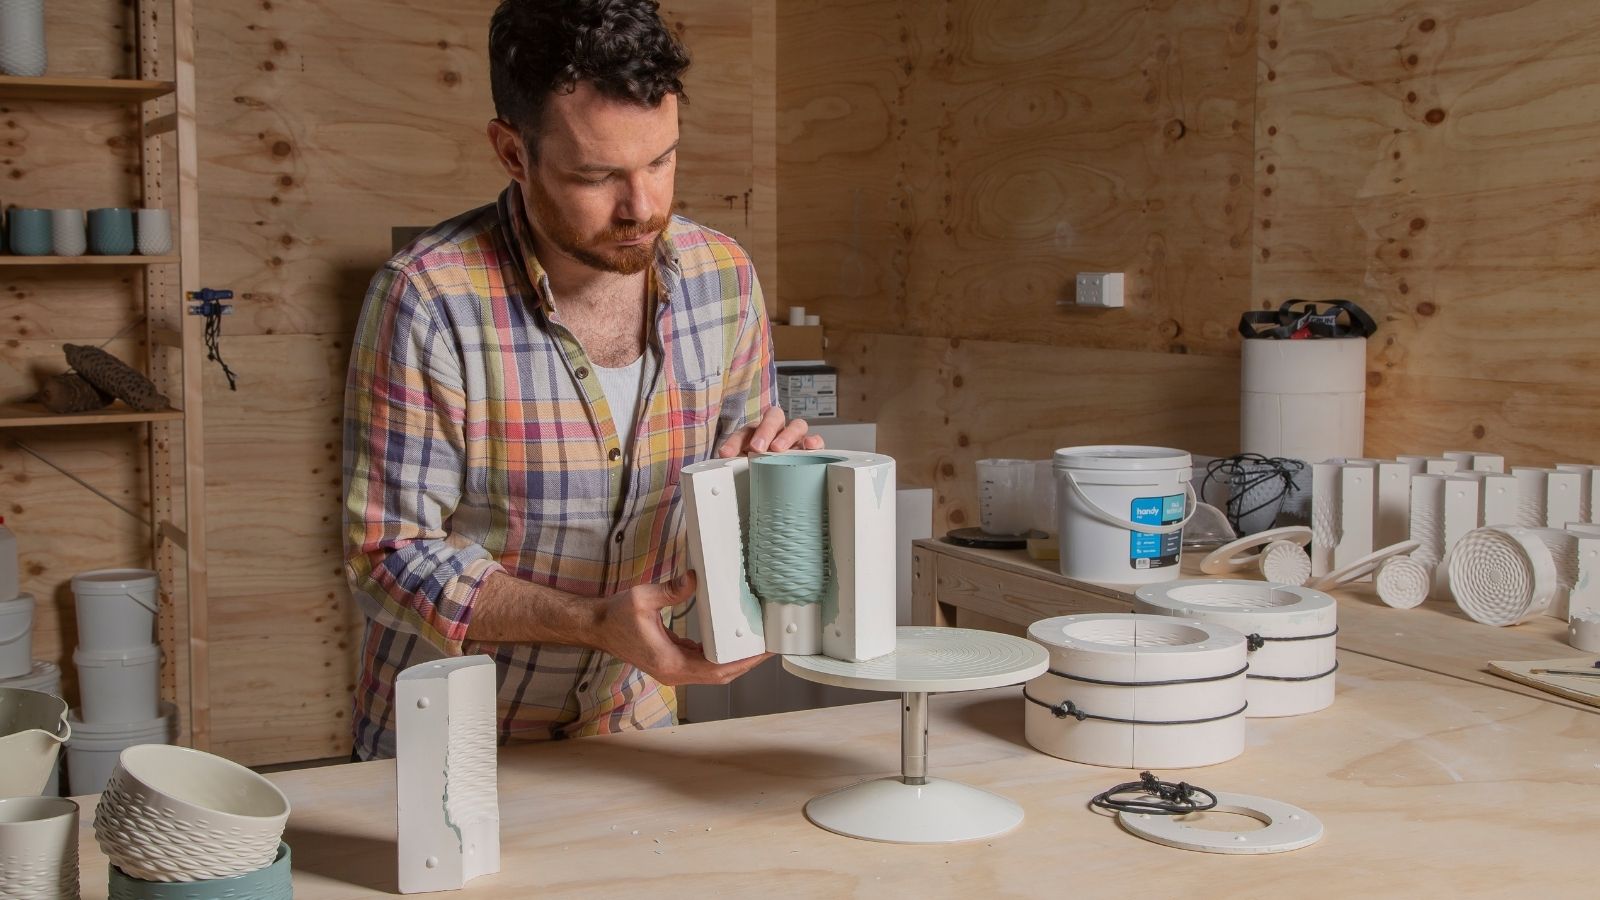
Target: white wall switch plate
1101,289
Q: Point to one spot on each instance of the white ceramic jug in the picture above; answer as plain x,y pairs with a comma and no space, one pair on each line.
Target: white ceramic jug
33,726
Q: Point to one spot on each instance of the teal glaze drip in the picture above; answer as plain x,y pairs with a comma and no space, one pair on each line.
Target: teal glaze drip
787,546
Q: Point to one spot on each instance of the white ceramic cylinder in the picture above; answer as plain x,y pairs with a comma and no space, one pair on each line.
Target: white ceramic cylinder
1583,632
813,320
1177,686
93,750
68,234
22,46
797,315
38,848
1292,669
1121,511
1303,399
16,637
119,685
153,228
116,609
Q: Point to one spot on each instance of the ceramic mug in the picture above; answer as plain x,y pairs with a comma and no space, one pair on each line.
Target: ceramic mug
22,49
29,231
111,231
155,232
67,232
38,847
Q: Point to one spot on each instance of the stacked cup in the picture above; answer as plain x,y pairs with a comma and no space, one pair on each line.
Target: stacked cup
176,822
119,673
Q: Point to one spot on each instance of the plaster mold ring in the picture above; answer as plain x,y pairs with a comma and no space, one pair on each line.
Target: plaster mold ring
1360,568
1228,558
1288,828
1583,632
1291,636
1285,562
1502,576
1403,583
446,773
1137,691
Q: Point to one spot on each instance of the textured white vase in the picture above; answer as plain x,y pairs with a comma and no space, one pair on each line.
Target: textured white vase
68,237
22,37
154,227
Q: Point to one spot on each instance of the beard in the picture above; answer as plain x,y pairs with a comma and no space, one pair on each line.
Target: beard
597,252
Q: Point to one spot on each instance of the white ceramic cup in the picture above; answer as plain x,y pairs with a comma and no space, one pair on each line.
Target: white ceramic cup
22,45
38,848
797,315
154,230
68,235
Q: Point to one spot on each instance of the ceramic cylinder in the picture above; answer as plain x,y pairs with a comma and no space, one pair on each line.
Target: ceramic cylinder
111,231
38,847
155,232
789,563
22,50
67,233
29,231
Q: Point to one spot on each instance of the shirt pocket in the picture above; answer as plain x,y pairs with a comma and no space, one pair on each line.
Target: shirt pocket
696,410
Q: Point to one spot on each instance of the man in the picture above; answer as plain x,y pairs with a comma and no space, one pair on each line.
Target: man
527,381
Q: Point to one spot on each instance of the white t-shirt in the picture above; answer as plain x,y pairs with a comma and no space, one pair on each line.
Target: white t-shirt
623,387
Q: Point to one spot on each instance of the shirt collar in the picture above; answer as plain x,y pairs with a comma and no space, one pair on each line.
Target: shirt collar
514,211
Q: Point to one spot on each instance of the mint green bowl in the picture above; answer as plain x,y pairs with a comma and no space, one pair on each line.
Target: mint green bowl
272,883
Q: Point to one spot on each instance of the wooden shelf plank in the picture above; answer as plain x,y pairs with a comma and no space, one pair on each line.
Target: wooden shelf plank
87,260
33,415
89,90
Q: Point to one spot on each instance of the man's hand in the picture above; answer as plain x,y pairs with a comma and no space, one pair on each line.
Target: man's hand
630,628
771,433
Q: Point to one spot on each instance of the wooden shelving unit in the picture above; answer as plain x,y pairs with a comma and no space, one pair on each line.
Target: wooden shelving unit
164,94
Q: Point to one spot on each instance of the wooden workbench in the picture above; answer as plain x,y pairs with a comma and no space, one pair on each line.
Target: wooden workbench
1429,783
1006,590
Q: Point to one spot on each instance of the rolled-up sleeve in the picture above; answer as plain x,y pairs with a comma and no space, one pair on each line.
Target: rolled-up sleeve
752,381
405,460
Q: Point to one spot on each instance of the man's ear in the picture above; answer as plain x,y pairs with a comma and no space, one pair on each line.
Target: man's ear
509,149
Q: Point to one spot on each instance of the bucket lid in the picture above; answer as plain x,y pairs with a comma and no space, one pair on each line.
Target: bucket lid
157,727
45,678
131,657
1122,458
22,601
113,581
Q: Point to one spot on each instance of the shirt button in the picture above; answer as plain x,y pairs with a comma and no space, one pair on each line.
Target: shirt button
619,537
615,454
583,372
583,685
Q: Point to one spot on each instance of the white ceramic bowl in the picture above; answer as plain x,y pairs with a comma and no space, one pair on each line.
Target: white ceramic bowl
176,814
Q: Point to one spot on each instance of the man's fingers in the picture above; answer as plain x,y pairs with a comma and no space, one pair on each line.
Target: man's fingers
771,424
735,443
790,435
812,442
673,593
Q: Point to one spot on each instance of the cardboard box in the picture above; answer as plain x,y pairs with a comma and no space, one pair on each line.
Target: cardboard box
808,392
793,343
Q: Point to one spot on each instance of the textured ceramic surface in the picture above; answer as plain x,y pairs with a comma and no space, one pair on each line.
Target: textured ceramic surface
271,883
28,232
22,49
788,539
38,848
111,231
33,726
154,232
69,235
176,814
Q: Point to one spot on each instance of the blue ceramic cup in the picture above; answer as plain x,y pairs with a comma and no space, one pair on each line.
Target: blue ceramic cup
29,231
111,231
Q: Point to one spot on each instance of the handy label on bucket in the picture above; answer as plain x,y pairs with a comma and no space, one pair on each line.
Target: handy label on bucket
1154,551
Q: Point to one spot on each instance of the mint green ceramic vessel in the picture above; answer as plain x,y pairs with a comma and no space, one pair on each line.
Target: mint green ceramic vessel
272,883
787,546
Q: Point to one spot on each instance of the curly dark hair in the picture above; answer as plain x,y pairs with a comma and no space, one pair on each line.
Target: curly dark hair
539,48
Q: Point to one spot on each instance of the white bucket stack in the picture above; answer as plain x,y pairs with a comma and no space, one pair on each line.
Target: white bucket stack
1290,632
1137,691
119,673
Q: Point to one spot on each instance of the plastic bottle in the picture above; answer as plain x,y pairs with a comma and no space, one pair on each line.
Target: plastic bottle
9,588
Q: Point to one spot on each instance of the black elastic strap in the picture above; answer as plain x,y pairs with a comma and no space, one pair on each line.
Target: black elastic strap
1148,683
1161,798
1287,320
1295,677
1066,709
1255,641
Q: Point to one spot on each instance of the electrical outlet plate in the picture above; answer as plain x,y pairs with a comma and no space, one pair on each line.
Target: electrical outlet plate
1100,289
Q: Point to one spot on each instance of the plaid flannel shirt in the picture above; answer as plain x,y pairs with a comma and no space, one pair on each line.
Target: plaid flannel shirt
478,440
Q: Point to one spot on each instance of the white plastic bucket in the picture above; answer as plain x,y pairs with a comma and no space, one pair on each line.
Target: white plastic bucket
1122,510
119,686
93,750
116,608
16,637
